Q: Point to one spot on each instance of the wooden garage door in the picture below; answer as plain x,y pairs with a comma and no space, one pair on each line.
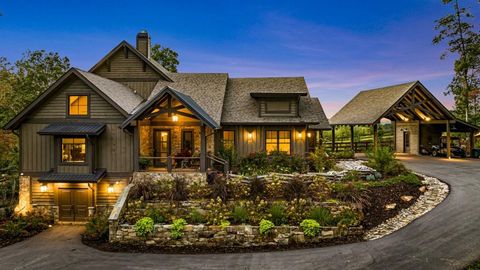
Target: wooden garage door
73,204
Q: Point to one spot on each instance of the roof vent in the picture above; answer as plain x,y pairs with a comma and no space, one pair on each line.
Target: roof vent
143,43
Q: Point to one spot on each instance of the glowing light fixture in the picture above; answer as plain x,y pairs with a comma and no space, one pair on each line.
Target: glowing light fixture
250,136
309,134
175,118
43,188
403,117
110,188
299,135
422,115
156,110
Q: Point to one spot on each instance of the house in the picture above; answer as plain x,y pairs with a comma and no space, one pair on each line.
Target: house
84,137
418,118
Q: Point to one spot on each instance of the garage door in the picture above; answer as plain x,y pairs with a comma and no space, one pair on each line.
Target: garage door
73,204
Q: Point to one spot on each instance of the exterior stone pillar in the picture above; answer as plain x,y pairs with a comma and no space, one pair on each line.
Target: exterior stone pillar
24,195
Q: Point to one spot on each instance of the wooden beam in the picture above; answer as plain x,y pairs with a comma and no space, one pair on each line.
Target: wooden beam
375,136
352,138
169,105
203,149
449,155
333,138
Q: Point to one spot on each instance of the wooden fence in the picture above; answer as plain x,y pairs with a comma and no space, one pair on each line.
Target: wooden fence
358,147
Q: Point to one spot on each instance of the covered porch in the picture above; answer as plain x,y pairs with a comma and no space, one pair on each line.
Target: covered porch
172,133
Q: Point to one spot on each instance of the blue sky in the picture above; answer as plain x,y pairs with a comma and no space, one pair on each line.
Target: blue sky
340,47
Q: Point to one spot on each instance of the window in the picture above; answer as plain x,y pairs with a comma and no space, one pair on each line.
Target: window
78,105
277,106
228,139
277,140
73,150
187,141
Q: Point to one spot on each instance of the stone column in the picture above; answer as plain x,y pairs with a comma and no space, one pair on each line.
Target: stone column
24,196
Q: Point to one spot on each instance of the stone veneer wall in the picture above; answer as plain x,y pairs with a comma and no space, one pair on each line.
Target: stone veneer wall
414,129
240,236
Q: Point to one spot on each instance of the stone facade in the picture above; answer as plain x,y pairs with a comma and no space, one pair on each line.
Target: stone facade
239,236
414,130
24,201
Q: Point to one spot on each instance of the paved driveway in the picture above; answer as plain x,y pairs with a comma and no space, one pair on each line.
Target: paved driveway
446,238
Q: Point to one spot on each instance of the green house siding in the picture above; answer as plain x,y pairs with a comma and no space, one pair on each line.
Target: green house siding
115,152
36,151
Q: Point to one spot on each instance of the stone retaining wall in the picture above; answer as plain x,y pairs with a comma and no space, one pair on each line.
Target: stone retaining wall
240,236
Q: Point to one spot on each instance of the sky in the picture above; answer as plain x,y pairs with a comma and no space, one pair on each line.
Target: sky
340,47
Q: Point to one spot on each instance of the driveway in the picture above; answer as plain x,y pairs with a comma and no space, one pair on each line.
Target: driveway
448,237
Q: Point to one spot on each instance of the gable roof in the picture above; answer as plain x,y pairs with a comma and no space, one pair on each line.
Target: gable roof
207,89
152,63
186,100
118,95
369,106
241,108
322,118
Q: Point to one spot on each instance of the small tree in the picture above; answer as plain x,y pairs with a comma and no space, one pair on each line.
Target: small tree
167,57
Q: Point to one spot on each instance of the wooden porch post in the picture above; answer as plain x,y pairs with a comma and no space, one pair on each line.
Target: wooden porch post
333,139
449,155
375,136
203,149
136,147
472,143
352,138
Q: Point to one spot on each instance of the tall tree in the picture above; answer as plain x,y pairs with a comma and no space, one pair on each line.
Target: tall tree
167,57
458,31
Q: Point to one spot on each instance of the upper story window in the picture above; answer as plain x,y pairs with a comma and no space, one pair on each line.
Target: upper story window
228,139
278,106
73,150
277,140
78,105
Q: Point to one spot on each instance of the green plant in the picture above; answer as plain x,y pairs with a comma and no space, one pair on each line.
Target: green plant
97,227
219,188
15,228
323,216
179,191
266,226
351,176
383,160
238,188
310,227
155,215
295,188
239,215
196,217
176,230
297,210
144,226
345,154
144,163
224,224
144,188
216,211
254,164
409,178
358,196
347,218
277,214
229,154
319,189
321,160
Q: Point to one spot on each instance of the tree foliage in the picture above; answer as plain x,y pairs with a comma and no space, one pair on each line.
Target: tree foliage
457,30
167,57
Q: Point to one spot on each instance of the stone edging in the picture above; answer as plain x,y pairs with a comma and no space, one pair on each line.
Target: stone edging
436,192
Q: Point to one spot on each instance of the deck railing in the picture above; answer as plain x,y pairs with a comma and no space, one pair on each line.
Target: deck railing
172,164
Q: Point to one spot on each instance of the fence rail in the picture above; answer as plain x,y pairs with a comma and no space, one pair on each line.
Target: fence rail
358,147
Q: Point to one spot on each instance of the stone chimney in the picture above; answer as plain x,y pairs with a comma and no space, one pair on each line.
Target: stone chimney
143,43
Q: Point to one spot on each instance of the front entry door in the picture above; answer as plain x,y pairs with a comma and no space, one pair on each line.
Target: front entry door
161,147
406,142
73,204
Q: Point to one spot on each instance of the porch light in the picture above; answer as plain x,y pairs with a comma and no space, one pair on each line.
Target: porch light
43,188
175,118
299,135
309,134
250,136
110,188
403,117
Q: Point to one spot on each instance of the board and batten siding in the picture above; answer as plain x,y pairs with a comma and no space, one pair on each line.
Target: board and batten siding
275,103
56,105
115,151
143,89
36,150
244,146
73,169
42,198
126,65
104,198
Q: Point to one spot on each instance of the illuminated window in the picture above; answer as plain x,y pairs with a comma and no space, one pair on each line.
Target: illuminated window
73,150
277,140
228,139
78,105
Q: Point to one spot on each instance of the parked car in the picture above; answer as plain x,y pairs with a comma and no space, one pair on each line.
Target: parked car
455,149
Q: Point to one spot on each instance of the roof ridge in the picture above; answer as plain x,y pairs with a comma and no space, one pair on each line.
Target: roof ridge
277,77
389,86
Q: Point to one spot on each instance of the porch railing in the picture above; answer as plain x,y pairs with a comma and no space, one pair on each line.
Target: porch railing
218,163
358,147
171,164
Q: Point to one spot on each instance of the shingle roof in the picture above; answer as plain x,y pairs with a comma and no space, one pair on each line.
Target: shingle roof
53,177
322,118
240,107
206,89
117,92
368,106
73,129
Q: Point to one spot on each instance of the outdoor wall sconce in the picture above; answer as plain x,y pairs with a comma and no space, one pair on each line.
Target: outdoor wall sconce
250,137
43,188
299,135
110,188
175,118
309,134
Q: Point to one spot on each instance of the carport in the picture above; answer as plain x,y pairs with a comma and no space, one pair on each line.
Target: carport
417,117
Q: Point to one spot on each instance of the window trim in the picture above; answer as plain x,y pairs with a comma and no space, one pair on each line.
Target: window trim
278,139
183,139
234,138
88,105
72,163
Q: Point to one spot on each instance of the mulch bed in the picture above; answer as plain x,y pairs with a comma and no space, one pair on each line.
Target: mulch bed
375,213
6,240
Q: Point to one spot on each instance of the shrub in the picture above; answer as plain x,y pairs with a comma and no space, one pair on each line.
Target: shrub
196,217
298,210
345,154
239,215
257,187
238,188
97,227
274,188
266,227
224,224
295,188
349,193
310,227
383,160
257,210
347,218
219,188
351,176
229,154
409,178
15,228
144,226
254,164
323,216
144,163
277,214
144,187
178,225
179,190
319,189
216,211
155,215
321,160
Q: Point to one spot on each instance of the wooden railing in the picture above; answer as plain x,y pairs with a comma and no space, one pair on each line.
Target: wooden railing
215,161
171,164
358,147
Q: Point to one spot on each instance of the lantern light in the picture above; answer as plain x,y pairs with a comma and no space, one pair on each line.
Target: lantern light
309,134
110,188
43,188
175,118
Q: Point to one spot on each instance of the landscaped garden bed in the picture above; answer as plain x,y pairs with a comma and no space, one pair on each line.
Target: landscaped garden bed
16,228
268,206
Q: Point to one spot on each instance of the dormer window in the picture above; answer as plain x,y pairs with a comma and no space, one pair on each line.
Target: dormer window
277,106
78,105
